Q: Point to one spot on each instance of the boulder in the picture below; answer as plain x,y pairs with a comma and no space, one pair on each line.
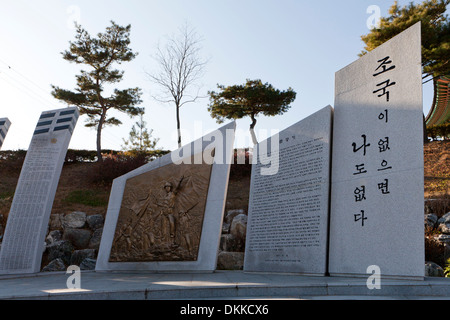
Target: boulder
444,224
229,216
431,220
230,261
230,243
433,270
55,265
239,226
74,220
53,237
96,238
79,256
88,264
95,221
78,237
443,238
56,221
60,249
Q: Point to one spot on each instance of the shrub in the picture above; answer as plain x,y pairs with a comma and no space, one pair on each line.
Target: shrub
434,251
447,269
241,170
114,166
439,131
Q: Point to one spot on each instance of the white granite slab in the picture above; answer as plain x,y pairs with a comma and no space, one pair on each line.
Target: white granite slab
377,172
27,223
288,210
222,141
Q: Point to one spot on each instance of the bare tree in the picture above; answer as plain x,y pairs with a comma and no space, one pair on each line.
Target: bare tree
180,67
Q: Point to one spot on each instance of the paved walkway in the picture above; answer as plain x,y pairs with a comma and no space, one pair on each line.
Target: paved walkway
219,285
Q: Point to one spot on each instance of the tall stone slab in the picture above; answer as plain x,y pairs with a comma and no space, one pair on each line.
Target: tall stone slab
287,228
167,215
378,168
27,223
4,127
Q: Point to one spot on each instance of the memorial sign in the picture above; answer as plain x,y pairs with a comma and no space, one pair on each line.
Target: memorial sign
287,228
27,223
377,191
167,215
4,127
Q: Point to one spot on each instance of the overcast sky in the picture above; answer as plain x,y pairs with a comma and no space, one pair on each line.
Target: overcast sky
288,43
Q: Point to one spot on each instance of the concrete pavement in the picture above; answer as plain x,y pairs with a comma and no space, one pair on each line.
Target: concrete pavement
215,286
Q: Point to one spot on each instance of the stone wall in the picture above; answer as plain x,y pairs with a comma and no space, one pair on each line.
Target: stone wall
73,239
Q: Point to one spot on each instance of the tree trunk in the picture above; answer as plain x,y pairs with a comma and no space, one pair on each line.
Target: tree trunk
178,126
252,131
99,137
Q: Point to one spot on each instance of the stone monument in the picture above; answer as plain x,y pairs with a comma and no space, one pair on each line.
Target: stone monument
287,228
377,189
28,219
4,127
167,215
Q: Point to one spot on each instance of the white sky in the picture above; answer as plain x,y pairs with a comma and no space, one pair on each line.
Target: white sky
288,43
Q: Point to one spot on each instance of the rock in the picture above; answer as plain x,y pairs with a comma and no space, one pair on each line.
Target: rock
443,238
95,221
445,218
78,237
88,264
433,270
96,238
444,228
230,261
74,220
79,255
60,249
56,221
229,216
444,224
228,242
233,213
431,220
53,237
55,265
239,226
225,228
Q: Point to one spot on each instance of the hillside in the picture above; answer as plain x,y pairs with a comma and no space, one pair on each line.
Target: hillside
77,190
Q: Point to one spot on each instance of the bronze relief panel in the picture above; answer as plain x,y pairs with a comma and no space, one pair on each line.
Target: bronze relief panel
161,216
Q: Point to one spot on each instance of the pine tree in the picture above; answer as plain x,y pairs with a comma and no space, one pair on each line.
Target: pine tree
100,54
435,33
251,99
140,139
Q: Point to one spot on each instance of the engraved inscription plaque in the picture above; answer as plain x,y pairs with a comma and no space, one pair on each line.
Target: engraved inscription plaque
4,127
288,211
161,216
27,223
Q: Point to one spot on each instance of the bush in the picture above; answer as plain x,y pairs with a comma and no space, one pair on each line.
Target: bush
439,131
114,166
12,160
434,251
241,170
438,206
447,269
